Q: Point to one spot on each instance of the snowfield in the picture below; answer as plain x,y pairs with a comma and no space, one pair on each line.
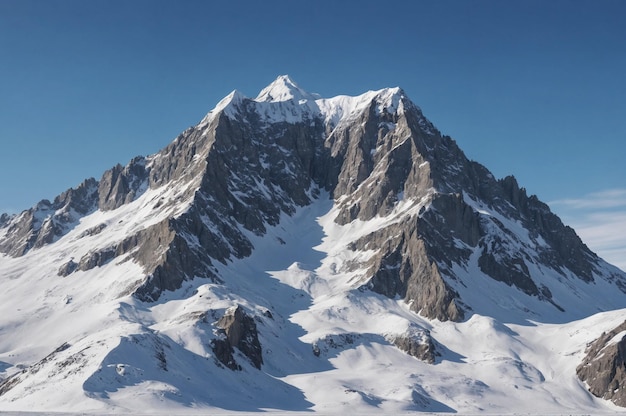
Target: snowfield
87,348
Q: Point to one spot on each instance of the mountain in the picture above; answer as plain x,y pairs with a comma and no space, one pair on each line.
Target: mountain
292,252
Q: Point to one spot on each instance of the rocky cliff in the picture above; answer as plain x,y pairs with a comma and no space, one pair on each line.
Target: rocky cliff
604,367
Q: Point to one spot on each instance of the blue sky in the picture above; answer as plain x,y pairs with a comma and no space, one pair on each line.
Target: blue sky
534,88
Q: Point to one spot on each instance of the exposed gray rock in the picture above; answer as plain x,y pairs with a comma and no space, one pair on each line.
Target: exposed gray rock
68,268
228,195
239,331
47,221
120,185
508,269
93,231
224,353
179,262
604,366
402,267
450,229
81,199
458,218
566,249
96,258
256,171
333,343
378,161
416,342
4,219
182,161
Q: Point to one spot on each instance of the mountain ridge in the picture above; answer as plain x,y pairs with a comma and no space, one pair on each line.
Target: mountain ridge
428,165
402,230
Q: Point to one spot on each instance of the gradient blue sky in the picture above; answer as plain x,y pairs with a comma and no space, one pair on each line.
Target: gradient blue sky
532,88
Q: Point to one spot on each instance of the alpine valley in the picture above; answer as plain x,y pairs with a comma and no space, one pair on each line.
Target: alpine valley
297,253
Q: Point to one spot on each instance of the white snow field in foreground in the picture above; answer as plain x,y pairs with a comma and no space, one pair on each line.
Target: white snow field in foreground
106,342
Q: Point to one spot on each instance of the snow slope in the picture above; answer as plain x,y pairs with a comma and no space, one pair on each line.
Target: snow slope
106,344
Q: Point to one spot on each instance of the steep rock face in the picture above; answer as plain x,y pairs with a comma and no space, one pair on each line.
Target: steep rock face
604,366
170,263
257,170
47,221
566,248
382,164
121,185
402,267
232,197
240,173
379,160
369,162
391,158
481,213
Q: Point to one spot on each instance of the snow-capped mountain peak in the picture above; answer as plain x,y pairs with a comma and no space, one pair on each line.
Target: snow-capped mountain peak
285,101
234,98
284,88
227,104
391,100
317,253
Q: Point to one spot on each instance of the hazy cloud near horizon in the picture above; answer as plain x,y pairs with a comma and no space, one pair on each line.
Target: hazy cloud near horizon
599,219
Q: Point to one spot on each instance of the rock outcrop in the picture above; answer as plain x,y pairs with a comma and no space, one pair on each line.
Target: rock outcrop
120,185
604,367
402,267
416,342
47,221
237,330
4,219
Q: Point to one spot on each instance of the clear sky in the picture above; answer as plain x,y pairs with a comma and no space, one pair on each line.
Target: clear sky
532,88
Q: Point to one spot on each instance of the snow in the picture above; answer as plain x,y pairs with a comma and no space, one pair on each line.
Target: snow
284,88
344,108
228,105
284,101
